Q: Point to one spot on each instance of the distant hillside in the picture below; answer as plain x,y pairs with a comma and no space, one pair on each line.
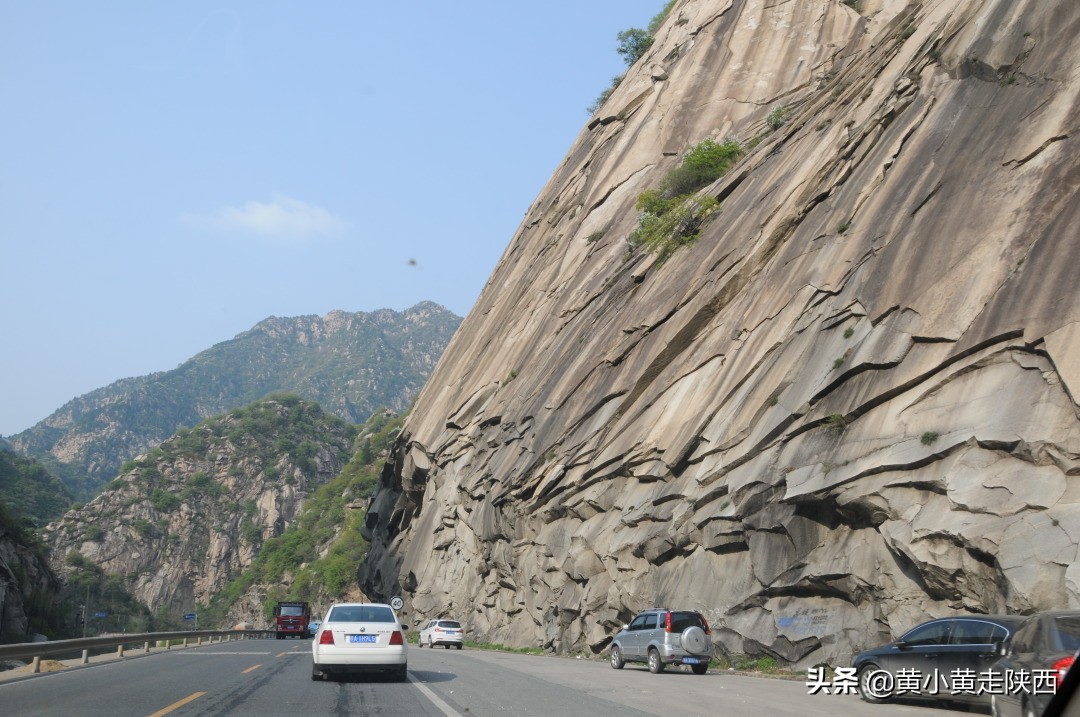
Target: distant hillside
187,518
29,490
350,363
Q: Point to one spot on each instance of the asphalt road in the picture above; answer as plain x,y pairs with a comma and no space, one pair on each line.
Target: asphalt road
266,677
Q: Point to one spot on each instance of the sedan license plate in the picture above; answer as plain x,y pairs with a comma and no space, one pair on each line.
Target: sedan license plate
362,638
690,660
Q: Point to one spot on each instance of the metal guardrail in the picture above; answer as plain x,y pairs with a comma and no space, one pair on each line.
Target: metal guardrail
34,651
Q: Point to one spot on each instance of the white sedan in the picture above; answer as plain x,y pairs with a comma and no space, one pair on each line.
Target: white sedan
359,637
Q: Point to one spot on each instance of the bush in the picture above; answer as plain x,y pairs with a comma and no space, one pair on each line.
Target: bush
777,117
164,501
672,215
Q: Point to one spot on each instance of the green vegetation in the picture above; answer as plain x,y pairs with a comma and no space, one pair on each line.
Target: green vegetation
633,44
87,584
503,648
164,501
837,363
325,520
396,349
929,438
835,424
849,332
777,117
29,491
673,214
842,227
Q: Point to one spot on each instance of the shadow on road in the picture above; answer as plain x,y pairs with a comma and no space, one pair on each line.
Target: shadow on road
427,676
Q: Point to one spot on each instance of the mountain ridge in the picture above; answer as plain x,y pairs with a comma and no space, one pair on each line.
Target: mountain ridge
351,363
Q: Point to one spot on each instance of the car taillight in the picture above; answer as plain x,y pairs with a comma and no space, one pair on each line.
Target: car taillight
667,623
396,639
1061,667
326,638
705,624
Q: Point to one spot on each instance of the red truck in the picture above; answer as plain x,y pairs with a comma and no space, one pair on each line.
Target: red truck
291,618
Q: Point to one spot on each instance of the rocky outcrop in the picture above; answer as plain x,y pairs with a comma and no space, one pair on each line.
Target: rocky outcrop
29,590
190,516
351,363
849,405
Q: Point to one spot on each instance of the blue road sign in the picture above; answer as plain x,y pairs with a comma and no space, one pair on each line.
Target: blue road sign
101,614
189,616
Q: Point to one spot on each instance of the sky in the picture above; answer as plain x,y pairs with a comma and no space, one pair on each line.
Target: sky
173,173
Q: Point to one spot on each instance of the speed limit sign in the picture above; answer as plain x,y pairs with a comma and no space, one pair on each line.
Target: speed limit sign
397,603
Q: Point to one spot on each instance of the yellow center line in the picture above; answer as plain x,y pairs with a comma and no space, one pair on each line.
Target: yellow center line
281,654
251,669
178,705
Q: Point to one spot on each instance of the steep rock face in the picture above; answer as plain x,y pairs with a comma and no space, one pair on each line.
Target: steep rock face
850,405
351,363
28,589
190,516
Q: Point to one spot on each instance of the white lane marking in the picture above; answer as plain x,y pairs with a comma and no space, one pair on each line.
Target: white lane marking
212,654
434,698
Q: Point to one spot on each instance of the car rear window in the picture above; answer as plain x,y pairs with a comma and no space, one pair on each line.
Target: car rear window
452,624
682,620
1066,636
360,613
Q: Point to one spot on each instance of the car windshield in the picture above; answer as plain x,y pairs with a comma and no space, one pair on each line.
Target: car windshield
1066,635
292,610
452,624
361,613
682,620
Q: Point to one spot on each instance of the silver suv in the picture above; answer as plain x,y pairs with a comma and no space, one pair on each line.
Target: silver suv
662,637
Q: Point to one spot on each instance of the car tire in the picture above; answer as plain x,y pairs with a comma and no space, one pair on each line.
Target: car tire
700,669
403,674
656,665
430,644
617,662
459,646
864,672
317,675
419,643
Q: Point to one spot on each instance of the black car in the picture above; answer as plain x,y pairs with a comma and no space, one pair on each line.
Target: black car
940,659
1034,661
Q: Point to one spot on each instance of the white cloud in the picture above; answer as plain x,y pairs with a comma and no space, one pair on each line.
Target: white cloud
282,217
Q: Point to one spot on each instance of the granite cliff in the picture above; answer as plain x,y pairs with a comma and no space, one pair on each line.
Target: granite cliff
849,405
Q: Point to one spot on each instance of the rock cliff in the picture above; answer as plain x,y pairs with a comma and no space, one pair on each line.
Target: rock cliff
849,405
190,516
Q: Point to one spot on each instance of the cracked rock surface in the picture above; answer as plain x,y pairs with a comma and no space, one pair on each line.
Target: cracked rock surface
850,405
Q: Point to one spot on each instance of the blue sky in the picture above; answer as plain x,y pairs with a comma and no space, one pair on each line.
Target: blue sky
173,173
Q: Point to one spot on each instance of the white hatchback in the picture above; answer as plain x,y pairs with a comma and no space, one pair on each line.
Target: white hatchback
359,637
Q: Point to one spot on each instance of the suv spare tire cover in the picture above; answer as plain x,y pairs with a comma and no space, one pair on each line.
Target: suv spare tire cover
694,640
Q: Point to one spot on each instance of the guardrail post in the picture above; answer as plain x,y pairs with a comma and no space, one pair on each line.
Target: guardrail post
120,650
147,647
185,642
36,665
85,656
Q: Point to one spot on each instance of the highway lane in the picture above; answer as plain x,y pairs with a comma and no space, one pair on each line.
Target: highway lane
269,677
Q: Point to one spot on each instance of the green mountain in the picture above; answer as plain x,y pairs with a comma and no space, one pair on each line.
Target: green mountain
189,517
350,363
32,494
